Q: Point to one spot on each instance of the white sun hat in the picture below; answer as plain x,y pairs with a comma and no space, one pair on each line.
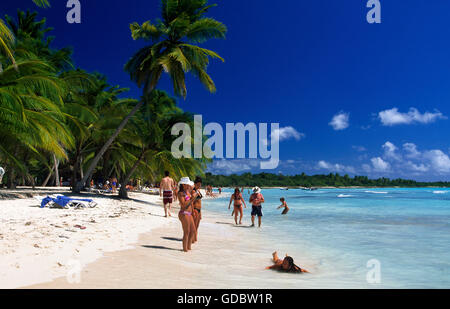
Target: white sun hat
256,190
186,181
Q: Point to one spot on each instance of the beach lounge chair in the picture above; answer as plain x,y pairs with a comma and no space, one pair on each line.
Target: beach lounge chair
67,202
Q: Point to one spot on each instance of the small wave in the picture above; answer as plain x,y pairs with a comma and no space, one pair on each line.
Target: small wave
376,192
440,192
345,195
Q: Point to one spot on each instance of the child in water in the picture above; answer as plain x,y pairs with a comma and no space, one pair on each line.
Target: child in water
284,205
286,265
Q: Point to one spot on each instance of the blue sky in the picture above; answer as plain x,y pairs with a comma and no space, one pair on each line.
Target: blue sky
304,64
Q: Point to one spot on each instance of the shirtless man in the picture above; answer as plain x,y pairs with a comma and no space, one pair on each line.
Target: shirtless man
166,188
256,199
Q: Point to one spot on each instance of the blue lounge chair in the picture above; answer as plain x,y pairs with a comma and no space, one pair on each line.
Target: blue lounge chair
67,202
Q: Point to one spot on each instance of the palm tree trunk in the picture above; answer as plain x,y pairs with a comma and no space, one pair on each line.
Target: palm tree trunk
56,162
81,167
44,184
11,183
80,185
123,188
73,180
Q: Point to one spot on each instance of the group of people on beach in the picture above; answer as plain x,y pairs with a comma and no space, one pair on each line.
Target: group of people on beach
190,200
256,200
188,194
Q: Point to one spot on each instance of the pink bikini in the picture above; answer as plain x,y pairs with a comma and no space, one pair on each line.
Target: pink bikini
187,213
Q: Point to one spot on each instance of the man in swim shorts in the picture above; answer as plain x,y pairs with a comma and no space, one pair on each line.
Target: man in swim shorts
256,199
166,192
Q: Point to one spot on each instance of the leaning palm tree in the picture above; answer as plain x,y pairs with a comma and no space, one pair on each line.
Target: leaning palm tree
173,50
153,140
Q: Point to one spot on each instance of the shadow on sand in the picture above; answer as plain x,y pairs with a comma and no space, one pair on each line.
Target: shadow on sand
172,238
234,225
161,248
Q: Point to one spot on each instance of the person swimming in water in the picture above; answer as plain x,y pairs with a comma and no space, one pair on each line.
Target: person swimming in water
284,205
286,265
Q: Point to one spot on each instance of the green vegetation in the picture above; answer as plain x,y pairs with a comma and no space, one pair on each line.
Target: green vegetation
331,180
60,121
183,21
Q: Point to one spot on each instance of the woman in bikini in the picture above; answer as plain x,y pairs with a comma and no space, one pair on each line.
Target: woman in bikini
286,265
197,214
284,205
186,198
236,197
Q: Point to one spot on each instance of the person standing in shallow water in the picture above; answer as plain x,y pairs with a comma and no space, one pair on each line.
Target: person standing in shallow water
284,205
238,200
197,213
257,199
186,198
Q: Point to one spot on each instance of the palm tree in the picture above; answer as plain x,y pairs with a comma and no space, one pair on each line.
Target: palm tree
7,38
30,112
33,95
152,138
6,41
172,50
42,3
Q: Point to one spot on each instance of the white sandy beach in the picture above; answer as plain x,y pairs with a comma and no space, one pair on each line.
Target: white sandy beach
38,245
129,244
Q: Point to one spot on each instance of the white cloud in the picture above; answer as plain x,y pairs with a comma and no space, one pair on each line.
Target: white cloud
411,150
390,151
393,117
340,121
228,167
379,165
335,167
287,133
409,161
438,160
421,168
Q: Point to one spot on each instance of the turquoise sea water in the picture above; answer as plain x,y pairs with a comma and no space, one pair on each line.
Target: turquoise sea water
335,232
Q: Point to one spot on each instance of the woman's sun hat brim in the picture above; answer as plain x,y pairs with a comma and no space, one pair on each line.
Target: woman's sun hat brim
186,181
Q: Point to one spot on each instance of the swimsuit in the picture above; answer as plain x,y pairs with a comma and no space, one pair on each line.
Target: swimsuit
167,197
257,211
237,199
